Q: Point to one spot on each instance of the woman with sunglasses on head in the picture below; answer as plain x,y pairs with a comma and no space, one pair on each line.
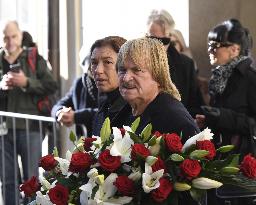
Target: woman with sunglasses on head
182,70
232,110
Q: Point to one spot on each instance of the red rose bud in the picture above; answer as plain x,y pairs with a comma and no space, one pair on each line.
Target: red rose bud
208,146
48,162
88,143
125,185
190,168
173,142
109,162
162,192
248,166
139,150
159,164
157,134
59,195
30,187
80,162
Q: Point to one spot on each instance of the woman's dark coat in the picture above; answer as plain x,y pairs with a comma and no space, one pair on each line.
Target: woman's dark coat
84,104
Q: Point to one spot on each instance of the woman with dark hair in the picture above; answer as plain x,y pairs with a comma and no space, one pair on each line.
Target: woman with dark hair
232,111
103,58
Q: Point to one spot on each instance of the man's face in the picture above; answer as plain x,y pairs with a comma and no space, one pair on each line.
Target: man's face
136,85
103,66
12,38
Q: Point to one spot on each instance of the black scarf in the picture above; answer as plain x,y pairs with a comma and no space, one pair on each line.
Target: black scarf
221,74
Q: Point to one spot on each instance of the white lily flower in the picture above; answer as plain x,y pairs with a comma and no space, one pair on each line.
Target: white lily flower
87,188
92,173
150,179
45,184
121,146
127,128
106,192
135,176
42,199
204,135
83,198
205,183
97,144
64,165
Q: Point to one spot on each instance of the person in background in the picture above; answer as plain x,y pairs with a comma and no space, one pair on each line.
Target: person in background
27,40
179,43
182,70
145,83
18,87
232,111
103,57
79,105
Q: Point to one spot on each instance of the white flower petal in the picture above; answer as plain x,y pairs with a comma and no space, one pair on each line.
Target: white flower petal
204,135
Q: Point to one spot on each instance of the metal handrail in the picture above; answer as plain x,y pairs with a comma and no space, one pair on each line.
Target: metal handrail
27,118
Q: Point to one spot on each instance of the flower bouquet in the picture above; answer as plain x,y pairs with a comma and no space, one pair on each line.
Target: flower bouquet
121,167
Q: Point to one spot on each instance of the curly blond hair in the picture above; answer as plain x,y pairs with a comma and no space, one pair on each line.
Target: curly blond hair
149,54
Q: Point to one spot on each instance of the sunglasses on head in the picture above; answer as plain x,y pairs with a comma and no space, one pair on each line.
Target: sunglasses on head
164,40
212,45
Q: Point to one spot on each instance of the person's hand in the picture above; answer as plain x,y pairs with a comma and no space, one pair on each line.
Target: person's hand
66,116
18,79
200,121
6,83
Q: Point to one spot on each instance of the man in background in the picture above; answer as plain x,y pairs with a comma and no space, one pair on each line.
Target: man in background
22,83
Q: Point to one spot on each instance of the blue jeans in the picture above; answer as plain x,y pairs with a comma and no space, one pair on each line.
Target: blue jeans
29,161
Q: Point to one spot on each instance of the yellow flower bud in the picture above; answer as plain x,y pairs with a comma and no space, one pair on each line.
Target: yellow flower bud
179,186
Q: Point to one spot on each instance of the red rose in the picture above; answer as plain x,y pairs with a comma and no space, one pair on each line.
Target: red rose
139,150
208,146
190,168
248,166
48,162
163,191
30,186
109,162
80,161
59,195
159,164
125,185
88,143
173,142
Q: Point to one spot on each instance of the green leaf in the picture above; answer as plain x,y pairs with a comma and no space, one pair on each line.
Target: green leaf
105,130
135,137
72,136
226,148
55,152
146,132
152,141
198,154
230,161
135,124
